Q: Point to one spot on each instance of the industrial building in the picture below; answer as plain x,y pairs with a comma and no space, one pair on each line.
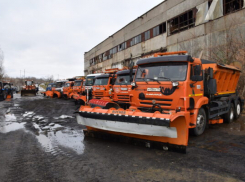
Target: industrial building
173,25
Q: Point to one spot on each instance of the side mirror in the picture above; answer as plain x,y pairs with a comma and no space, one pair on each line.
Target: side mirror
196,73
197,70
131,65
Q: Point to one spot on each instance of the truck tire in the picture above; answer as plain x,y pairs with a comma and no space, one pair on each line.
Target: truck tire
200,123
229,116
238,110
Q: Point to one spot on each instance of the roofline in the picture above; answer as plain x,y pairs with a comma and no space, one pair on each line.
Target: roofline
127,25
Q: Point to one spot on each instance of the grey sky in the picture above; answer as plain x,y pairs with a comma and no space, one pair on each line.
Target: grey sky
49,37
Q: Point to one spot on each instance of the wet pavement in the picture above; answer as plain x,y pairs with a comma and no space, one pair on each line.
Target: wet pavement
41,141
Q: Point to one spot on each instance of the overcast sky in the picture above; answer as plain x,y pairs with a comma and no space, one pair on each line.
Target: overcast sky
49,37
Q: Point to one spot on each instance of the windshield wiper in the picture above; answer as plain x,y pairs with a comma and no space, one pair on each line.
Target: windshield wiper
154,80
165,78
142,72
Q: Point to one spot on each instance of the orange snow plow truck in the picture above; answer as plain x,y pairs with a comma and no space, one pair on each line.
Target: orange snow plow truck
171,94
29,89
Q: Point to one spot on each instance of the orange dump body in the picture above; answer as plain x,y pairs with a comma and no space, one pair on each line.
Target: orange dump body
227,77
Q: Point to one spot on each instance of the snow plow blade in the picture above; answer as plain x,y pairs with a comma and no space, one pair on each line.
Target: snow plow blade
80,99
158,127
103,103
28,92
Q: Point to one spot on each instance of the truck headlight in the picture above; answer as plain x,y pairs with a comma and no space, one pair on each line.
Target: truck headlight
175,84
133,84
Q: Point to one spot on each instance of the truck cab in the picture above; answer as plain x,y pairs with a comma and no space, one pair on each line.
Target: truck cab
58,91
3,93
67,89
122,87
103,86
77,88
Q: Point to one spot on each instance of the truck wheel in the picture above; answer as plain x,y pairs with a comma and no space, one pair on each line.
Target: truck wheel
238,109
229,116
200,123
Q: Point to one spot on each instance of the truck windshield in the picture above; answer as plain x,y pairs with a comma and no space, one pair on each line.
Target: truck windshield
67,84
101,81
123,80
77,83
163,71
59,84
29,83
89,81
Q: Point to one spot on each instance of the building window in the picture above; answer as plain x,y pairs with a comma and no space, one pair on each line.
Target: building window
182,22
232,5
100,58
104,57
114,50
162,28
122,46
155,31
135,40
147,35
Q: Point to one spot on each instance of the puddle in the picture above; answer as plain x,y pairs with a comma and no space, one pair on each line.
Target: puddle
28,114
63,117
50,138
66,138
10,117
8,127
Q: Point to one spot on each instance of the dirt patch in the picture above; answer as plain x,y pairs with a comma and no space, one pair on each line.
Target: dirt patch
41,141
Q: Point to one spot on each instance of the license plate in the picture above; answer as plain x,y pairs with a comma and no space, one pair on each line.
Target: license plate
153,89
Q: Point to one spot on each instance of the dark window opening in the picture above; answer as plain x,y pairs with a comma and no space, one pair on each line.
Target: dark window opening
155,31
162,28
122,46
232,5
182,22
147,35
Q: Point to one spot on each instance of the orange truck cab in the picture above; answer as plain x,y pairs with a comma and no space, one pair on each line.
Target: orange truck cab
102,87
122,88
172,93
50,92
86,95
77,88
58,90
67,89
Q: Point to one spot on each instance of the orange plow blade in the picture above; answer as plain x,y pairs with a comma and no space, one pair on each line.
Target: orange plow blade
49,94
158,127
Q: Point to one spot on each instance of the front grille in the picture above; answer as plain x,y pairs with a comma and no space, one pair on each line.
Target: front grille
123,98
98,95
164,103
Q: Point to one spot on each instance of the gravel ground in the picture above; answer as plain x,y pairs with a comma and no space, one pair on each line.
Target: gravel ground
41,141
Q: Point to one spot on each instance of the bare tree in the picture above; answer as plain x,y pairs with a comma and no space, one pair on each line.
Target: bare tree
1,64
